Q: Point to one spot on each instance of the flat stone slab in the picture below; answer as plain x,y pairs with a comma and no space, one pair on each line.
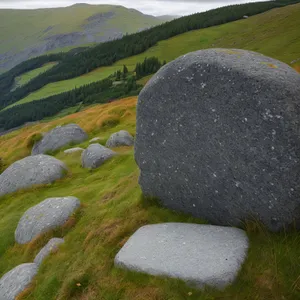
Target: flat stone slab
73,150
59,137
30,171
47,215
16,281
95,155
94,140
51,246
119,139
198,254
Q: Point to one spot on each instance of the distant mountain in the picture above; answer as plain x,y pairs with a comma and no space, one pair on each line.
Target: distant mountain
168,17
28,33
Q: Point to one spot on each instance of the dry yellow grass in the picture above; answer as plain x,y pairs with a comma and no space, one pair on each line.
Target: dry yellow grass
13,146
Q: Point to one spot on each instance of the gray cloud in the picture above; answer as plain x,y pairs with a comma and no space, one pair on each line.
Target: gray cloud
153,7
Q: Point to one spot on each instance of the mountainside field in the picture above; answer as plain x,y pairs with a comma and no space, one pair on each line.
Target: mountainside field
28,33
113,208
274,33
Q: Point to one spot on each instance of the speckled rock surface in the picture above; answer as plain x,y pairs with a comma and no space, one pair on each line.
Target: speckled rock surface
121,138
51,246
49,214
73,150
198,254
58,138
95,155
30,171
218,137
16,281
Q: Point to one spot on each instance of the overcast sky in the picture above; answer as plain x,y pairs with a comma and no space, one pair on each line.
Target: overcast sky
153,7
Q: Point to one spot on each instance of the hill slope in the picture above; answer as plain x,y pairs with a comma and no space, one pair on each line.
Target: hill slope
274,33
28,33
112,210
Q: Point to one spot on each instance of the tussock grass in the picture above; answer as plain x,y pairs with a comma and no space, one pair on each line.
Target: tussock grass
113,208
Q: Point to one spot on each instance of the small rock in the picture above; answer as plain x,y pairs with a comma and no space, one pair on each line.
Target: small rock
30,171
121,138
49,248
49,214
95,155
58,138
94,140
198,254
73,150
17,280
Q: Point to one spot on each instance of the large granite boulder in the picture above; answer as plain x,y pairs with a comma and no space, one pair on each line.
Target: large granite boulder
51,246
30,171
95,155
218,137
59,137
198,254
121,138
47,215
17,280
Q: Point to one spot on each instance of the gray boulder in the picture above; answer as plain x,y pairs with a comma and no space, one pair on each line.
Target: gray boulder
52,246
47,215
58,138
217,137
94,140
16,281
118,139
198,254
73,150
30,171
95,155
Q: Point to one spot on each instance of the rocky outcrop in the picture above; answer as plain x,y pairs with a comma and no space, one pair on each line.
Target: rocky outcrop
59,137
16,281
217,137
30,171
198,254
121,138
52,246
47,215
95,155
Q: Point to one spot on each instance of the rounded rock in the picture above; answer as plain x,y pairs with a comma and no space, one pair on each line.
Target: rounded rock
59,137
95,155
17,280
47,215
217,137
30,171
119,139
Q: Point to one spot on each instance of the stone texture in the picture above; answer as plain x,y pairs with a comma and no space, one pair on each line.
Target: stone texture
49,214
94,140
16,281
218,137
95,155
59,137
30,171
198,254
52,246
73,150
118,139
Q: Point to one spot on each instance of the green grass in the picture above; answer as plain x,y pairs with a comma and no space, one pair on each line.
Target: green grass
113,208
26,77
67,85
275,33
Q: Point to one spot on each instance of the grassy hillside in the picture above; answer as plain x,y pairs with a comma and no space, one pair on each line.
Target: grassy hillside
26,77
112,209
274,33
28,33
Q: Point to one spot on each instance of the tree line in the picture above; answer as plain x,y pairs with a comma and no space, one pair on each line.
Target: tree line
107,53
